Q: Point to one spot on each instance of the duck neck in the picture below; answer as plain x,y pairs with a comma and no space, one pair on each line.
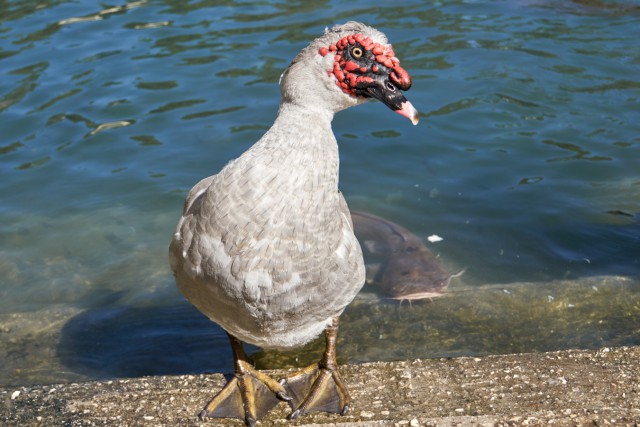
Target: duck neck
301,137
311,117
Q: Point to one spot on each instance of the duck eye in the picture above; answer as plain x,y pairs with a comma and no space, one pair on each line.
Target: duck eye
356,52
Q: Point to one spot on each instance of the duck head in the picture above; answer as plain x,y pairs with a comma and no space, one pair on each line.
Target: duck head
356,64
366,68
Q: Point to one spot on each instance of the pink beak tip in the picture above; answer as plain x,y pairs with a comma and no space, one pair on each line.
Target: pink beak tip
409,112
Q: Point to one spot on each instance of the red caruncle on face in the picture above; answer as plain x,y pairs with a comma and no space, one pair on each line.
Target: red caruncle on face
358,59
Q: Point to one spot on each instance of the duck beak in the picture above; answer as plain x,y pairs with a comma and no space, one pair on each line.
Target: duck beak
384,90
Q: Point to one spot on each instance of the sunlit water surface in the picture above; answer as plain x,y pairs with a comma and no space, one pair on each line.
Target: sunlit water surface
525,163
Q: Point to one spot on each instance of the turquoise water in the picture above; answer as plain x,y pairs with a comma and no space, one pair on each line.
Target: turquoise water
525,161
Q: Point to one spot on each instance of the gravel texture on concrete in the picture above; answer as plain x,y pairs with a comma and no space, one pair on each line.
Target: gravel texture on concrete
573,387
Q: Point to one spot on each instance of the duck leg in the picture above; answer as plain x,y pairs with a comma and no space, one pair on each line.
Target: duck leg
319,387
248,396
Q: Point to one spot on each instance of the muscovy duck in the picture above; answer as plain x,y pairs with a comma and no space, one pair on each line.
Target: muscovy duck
265,248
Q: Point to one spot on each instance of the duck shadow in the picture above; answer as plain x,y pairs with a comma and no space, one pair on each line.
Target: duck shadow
122,341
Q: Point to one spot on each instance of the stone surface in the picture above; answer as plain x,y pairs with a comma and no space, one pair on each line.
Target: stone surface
573,387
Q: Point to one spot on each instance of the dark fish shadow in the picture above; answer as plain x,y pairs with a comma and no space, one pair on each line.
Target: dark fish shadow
125,341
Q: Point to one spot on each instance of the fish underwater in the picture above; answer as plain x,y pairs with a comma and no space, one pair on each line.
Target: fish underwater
398,262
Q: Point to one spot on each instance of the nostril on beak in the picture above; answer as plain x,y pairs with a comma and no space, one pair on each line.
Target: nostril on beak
390,86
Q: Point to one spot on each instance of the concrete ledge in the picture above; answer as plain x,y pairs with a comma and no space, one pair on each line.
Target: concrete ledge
567,388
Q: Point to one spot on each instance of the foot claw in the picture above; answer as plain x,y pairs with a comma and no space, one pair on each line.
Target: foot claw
202,415
295,414
283,395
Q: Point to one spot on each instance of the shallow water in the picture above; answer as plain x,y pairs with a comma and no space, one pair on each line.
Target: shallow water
525,160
